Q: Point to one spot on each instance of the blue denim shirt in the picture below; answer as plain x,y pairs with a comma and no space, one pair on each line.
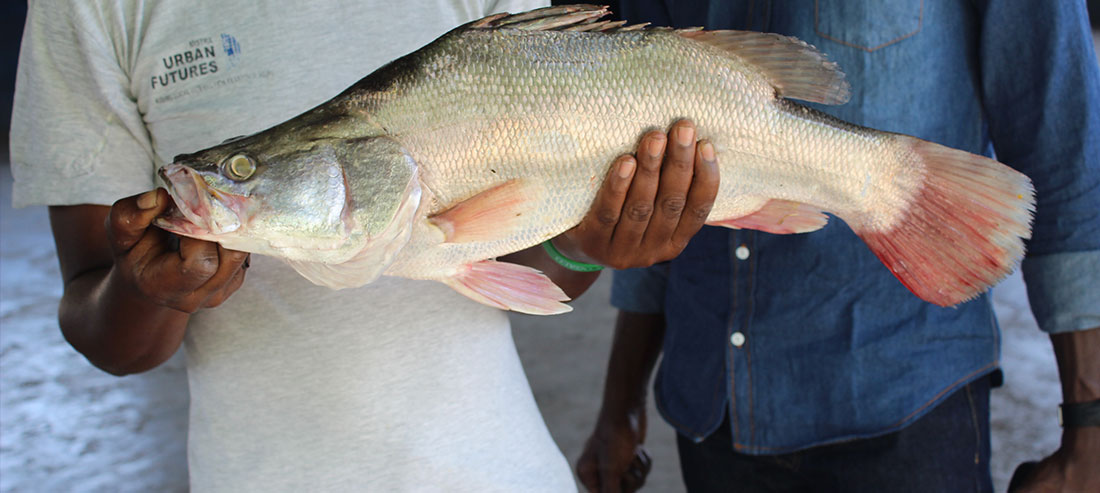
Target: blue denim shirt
808,338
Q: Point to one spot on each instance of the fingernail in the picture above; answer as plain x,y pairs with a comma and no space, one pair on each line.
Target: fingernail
707,150
147,200
685,135
656,145
626,168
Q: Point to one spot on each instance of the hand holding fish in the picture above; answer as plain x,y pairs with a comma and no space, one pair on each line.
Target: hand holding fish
130,289
197,274
648,207
646,211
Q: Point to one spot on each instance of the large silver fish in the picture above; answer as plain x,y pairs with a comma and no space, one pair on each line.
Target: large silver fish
496,137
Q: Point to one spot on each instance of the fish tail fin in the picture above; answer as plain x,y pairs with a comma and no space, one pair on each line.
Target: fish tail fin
962,231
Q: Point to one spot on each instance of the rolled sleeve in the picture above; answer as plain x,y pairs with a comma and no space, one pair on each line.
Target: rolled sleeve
1041,88
640,290
1062,290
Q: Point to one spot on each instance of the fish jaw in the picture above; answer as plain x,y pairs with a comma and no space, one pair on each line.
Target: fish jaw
201,211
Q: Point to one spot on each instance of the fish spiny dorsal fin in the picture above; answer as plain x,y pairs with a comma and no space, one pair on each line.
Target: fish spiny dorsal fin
561,18
587,26
633,27
795,68
601,26
544,19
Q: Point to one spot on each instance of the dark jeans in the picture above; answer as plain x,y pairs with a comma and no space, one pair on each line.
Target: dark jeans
947,450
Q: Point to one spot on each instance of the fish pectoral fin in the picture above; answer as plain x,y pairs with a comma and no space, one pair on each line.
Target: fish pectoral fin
509,287
780,217
489,215
795,68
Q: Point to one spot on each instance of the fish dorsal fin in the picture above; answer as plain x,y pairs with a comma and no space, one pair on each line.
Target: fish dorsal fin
795,68
559,18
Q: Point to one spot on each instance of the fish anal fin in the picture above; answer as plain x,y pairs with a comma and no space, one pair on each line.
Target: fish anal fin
509,287
795,68
487,215
779,217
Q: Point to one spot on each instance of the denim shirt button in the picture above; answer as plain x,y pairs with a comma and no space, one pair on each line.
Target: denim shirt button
742,252
737,339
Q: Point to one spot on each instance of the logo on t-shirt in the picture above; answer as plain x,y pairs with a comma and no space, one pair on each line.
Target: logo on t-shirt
206,64
200,59
231,48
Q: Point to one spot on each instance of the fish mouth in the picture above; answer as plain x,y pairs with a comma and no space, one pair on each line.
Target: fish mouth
199,210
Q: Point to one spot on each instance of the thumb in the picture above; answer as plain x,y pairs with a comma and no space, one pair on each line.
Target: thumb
131,216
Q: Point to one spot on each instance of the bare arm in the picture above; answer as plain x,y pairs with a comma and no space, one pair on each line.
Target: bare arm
129,291
1073,466
614,459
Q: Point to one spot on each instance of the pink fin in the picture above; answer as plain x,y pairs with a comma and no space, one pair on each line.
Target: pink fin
795,68
488,215
558,17
780,217
510,287
964,229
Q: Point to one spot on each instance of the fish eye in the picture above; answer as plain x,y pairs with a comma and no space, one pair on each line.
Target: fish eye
240,167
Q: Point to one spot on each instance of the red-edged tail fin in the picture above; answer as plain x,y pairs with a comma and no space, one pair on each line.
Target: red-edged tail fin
963,230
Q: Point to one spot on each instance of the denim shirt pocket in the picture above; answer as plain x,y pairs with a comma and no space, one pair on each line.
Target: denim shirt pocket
868,25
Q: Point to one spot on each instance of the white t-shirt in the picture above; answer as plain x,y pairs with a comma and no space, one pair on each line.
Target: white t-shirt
397,386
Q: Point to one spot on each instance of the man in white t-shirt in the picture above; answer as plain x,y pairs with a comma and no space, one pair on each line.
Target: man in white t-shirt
398,385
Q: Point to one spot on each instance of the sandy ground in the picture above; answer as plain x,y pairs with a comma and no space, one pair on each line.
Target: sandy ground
65,426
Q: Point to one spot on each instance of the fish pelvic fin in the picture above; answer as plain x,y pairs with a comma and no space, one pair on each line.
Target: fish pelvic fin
509,287
489,215
963,230
795,68
779,217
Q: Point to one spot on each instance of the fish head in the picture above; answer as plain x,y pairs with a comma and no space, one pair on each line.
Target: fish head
271,193
320,188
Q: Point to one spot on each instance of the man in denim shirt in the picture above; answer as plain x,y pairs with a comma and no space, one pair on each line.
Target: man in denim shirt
798,362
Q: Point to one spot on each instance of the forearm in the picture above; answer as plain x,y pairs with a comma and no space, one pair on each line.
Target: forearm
115,327
1078,355
571,282
634,351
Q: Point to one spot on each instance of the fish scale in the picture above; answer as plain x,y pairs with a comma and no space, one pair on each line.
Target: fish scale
496,137
528,102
